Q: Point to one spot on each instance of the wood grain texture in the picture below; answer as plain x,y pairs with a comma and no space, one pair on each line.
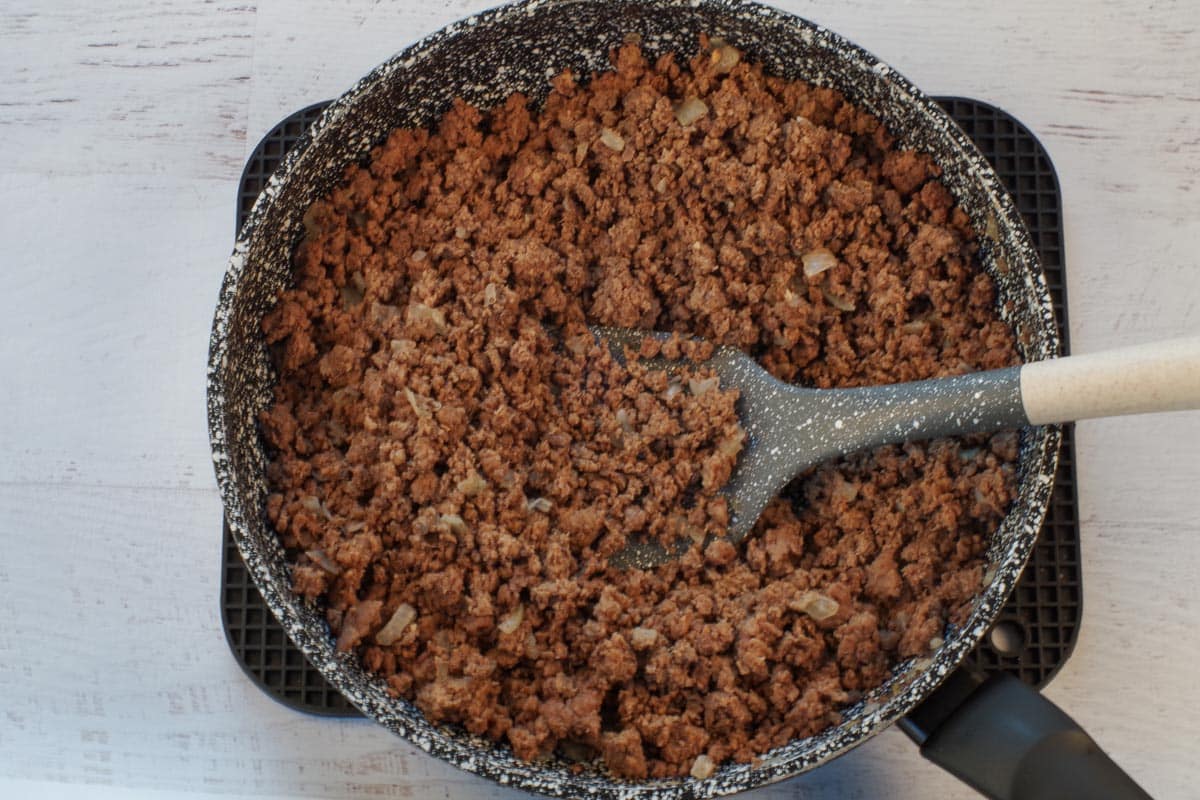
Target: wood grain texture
123,127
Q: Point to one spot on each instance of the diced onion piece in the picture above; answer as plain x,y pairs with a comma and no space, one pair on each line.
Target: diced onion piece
423,407
355,527
322,560
390,633
512,620
417,406
815,605
817,261
724,58
455,523
703,767
382,313
490,294
612,140
643,638
623,420
936,642
732,445
690,110
314,505
539,504
418,256
699,386
472,485
403,347
838,302
418,312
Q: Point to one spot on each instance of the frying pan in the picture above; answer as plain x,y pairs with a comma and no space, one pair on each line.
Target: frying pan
998,735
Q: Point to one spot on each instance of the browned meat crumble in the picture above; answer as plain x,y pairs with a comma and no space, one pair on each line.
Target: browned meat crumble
451,477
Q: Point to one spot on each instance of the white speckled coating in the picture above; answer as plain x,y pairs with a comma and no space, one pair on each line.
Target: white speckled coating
483,59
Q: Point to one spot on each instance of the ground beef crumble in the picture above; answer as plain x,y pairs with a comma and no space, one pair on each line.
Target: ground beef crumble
454,458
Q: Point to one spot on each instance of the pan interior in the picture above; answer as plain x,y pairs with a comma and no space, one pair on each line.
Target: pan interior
518,48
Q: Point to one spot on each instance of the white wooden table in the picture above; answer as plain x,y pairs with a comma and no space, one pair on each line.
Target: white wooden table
123,129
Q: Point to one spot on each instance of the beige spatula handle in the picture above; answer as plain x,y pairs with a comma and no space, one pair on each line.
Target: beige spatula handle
1161,376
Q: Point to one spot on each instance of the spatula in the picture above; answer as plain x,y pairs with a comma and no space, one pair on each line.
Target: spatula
791,428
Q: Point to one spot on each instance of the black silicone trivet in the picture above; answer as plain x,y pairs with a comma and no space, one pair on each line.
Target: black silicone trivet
1036,629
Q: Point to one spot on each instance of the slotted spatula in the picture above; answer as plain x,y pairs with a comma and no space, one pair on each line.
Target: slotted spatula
791,428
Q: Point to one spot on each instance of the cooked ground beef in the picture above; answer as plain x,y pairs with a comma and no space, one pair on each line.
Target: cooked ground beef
454,458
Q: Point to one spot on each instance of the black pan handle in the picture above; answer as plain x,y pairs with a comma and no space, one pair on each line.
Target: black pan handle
1009,742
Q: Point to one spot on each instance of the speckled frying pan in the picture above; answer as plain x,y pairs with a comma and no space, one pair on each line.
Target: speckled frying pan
973,729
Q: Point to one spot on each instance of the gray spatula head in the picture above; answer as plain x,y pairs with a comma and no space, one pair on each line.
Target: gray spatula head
791,428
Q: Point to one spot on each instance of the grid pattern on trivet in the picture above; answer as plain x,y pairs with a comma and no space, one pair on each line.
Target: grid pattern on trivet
1041,617
1036,628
